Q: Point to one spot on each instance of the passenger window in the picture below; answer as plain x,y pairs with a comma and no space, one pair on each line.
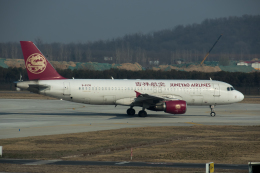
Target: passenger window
79,88
89,88
82,88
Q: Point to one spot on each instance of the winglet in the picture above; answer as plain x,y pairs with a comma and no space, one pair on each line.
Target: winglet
137,93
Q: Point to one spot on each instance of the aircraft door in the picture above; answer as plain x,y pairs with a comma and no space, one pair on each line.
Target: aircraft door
66,88
216,93
159,89
155,89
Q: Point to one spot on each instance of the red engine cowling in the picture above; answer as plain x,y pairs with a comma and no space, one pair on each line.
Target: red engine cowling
175,107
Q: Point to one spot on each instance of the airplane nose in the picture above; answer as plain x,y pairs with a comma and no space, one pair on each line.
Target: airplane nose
241,96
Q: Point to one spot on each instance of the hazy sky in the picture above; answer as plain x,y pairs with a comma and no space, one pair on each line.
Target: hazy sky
90,20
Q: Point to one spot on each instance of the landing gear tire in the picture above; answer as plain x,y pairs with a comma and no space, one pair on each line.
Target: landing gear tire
142,113
130,111
213,114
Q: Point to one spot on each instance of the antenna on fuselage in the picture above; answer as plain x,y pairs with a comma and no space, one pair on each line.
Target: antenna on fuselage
210,78
112,78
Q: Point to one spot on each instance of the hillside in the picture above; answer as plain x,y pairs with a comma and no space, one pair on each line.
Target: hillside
240,41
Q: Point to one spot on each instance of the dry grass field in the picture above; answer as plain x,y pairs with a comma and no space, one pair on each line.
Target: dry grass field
194,144
104,169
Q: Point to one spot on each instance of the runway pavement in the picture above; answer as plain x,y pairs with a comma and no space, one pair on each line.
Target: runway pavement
28,117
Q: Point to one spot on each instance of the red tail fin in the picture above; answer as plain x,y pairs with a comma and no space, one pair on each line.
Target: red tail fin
38,67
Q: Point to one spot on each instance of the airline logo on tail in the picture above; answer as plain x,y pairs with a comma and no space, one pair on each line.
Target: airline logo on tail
36,63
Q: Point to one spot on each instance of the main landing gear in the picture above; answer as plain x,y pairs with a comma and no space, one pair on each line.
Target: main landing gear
212,113
130,111
141,113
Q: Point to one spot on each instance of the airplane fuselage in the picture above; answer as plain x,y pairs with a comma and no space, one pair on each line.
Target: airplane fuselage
122,91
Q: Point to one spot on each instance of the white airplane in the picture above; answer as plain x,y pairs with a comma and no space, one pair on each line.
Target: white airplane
170,96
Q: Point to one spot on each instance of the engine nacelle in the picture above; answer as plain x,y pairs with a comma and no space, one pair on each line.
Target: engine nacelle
172,107
176,107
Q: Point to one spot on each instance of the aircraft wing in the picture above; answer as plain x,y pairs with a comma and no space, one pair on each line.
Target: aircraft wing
152,99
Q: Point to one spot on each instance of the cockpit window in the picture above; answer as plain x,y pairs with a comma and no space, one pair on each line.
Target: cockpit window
230,89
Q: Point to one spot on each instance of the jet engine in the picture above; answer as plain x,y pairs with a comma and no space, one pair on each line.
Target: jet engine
172,107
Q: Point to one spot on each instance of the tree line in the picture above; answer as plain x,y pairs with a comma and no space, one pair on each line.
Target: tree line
240,41
237,79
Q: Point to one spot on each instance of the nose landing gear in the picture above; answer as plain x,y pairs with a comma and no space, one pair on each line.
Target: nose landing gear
212,113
